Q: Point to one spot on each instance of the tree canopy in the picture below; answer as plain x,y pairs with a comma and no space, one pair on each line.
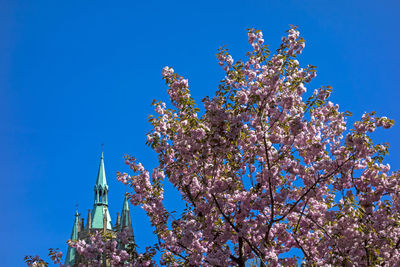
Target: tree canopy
264,169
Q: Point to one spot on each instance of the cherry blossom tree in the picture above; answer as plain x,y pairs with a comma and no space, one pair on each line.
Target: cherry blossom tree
266,168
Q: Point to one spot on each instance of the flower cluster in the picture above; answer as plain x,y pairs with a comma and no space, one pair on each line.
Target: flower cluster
265,169
36,261
118,252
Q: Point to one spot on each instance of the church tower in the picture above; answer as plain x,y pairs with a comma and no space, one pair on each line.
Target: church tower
99,218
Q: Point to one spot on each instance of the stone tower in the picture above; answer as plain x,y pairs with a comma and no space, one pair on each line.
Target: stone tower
99,218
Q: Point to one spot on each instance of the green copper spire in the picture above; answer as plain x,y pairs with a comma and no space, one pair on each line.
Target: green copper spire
126,220
101,187
126,223
101,175
100,207
70,258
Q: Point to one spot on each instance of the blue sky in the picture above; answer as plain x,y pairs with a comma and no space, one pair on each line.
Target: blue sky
75,74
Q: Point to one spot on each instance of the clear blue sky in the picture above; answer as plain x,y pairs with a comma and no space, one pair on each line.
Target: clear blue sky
75,74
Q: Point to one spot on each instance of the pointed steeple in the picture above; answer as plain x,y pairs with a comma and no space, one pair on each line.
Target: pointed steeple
101,174
100,209
126,220
70,258
126,223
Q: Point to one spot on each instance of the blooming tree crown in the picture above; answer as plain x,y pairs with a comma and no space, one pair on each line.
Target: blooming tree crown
267,168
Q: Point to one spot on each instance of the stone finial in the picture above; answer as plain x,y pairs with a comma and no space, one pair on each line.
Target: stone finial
118,221
78,224
89,220
105,222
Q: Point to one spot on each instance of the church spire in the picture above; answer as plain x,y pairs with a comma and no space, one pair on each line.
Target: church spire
126,220
101,174
70,258
100,209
